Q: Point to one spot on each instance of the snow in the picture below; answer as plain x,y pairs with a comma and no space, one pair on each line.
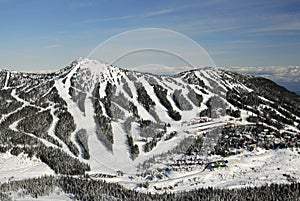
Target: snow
159,108
106,161
6,80
266,100
14,95
51,130
98,153
21,167
121,150
56,195
25,103
203,76
14,125
85,121
256,168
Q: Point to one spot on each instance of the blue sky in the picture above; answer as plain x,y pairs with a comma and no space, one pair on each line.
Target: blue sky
39,34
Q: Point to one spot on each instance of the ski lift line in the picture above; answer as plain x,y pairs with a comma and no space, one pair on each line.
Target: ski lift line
196,128
208,124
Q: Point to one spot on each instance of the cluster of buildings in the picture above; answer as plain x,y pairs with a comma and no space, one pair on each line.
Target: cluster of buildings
235,140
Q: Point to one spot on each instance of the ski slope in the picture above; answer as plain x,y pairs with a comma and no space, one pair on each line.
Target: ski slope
21,167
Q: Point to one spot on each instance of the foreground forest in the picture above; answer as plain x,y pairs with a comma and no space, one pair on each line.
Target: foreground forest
87,189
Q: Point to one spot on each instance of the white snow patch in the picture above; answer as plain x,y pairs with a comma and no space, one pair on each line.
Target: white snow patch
6,80
21,167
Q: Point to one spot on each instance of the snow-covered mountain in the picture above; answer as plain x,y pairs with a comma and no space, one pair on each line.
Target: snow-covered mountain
97,118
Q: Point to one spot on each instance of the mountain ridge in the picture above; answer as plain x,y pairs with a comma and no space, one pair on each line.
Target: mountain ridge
91,107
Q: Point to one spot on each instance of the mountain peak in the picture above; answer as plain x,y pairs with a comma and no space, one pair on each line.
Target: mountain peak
90,60
96,66
92,116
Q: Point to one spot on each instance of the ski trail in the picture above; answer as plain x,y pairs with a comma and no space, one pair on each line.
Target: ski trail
6,80
51,132
103,160
121,149
99,155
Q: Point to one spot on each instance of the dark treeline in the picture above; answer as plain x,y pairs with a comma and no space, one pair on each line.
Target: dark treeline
86,189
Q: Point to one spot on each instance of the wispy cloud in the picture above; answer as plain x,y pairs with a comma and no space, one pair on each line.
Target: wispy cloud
285,26
158,13
276,23
126,17
52,46
275,73
240,41
91,21
204,26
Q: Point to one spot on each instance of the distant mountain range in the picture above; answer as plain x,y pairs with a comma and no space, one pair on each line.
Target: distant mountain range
276,73
287,76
